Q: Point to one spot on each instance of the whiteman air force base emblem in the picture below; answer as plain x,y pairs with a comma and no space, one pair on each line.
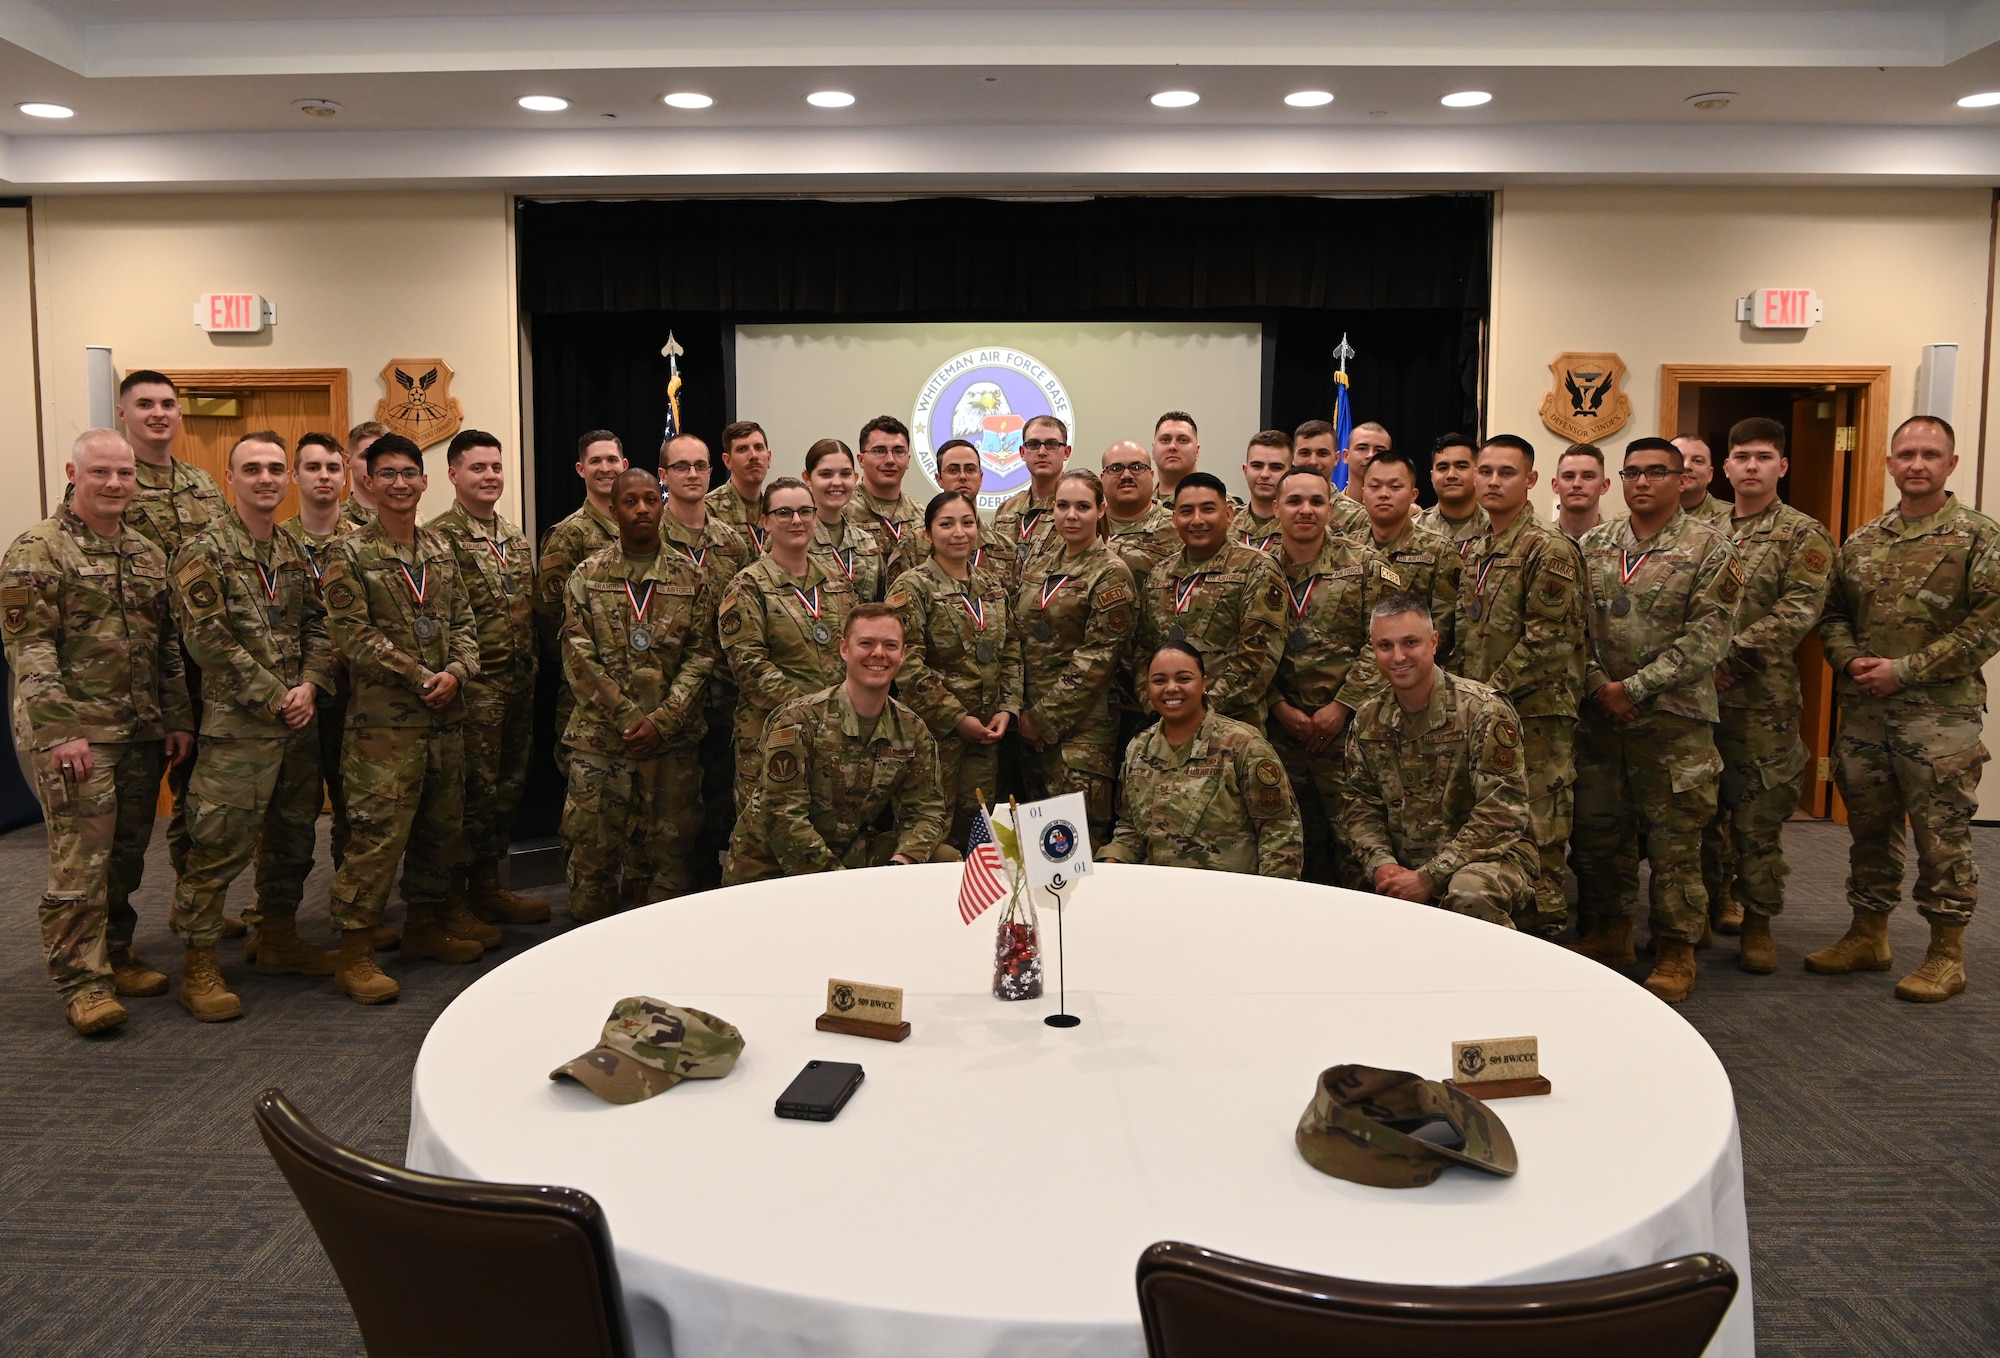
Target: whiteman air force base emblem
1587,400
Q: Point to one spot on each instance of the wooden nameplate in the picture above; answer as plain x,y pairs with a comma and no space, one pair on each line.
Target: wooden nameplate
881,1032
1503,1089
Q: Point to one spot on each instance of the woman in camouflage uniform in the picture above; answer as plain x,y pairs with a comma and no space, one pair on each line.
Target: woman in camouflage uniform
1077,607
962,659
780,623
851,551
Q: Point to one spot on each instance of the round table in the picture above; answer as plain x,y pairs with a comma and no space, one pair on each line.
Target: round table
989,1188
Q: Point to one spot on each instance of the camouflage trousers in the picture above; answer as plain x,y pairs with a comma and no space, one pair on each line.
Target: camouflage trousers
499,733
963,771
1496,891
1072,766
618,807
332,730
248,798
1763,771
1654,777
98,831
1548,755
405,803
1895,760
1317,786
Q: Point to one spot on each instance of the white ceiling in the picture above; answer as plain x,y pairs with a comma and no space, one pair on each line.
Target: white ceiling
199,93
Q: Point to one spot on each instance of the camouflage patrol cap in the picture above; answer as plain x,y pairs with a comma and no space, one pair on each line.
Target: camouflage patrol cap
649,1046
1387,1129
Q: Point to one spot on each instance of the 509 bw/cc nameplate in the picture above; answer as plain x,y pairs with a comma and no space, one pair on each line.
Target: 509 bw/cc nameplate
1498,1067
861,1010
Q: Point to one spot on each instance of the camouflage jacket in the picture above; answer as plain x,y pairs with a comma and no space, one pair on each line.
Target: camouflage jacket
1786,557
1663,632
616,679
1027,523
355,514
1474,525
954,665
497,570
315,549
1924,593
1418,561
726,503
896,525
1435,790
823,789
374,616
1144,543
90,636
1220,801
1717,514
173,503
1076,615
1519,621
851,552
1346,518
768,635
1249,529
1231,604
719,549
565,547
255,641
1327,656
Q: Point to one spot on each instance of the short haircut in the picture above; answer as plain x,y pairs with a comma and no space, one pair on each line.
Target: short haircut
1376,425
868,613
1034,420
1314,472
646,478
367,429
681,438
776,484
1201,481
732,434
146,377
822,449
1650,444
943,500
390,445
1396,605
1950,436
90,436
1452,440
949,444
590,436
317,440
270,436
464,441
1582,450
1399,457
882,424
1186,648
1312,429
1514,441
1757,429
1180,415
1269,438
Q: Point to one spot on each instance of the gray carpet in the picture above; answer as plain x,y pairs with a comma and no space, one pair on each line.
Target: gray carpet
139,1213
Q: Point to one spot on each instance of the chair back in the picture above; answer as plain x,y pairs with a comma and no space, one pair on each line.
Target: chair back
437,1267
1199,1304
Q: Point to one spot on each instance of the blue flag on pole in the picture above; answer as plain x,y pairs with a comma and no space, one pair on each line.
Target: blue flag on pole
1343,426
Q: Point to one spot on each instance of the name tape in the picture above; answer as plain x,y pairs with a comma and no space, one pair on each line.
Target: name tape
1496,1058
867,1003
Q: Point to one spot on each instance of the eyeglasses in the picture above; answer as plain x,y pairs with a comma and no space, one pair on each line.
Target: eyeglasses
787,514
395,474
1042,445
1127,468
1647,473
686,468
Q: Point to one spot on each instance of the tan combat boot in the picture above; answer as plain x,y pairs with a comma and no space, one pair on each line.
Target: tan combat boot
384,939
1942,972
93,1009
492,901
355,974
1609,941
131,976
424,935
1755,952
458,920
1724,914
1672,977
202,992
281,952
1864,947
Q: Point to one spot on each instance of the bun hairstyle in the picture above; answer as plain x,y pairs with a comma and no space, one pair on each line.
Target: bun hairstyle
943,501
1096,484
826,448
776,484
1185,648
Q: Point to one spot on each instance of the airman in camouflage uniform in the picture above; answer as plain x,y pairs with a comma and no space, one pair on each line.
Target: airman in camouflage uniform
746,452
1026,523
91,643
722,551
565,547
1912,617
1458,532
1220,801
850,552
1418,561
1077,613
1144,542
727,506
1659,621
1441,792
399,615
896,525
778,647
958,664
1254,530
354,514
638,644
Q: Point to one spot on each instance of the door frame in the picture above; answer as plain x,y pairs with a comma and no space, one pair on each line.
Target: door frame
333,379
1871,452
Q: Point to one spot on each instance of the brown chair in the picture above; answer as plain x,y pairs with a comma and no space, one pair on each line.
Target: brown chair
1199,1304
439,1267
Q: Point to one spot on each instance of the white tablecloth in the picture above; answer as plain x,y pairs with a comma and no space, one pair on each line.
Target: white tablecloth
990,1187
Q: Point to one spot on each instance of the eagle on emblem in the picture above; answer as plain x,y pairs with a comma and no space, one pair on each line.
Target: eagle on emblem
984,418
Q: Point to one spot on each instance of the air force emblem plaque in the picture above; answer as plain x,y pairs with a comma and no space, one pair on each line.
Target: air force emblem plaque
1587,401
986,396
419,405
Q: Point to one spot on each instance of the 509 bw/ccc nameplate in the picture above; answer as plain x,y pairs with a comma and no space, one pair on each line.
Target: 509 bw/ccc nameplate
861,1010
1498,1067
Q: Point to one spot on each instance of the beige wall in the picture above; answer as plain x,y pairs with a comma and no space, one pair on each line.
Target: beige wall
357,279
20,490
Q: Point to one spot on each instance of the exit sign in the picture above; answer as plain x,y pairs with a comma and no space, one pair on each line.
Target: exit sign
233,313
1781,308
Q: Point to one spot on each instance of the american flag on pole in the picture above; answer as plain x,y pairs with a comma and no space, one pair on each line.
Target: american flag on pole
985,879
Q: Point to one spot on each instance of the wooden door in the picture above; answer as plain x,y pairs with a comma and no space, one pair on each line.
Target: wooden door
222,405
1819,479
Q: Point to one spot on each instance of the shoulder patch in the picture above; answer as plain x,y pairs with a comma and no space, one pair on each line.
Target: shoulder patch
1814,560
1559,564
1117,594
781,766
1730,586
1269,772
898,600
16,596
732,622
1505,758
203,595
1507,734
1118,620
1274,598
193,568
1395,580
340,596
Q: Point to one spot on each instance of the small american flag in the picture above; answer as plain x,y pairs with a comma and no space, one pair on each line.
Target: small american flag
985,879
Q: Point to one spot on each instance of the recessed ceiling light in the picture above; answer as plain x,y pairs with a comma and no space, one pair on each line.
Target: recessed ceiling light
1713,100
687,99
830,99
1176,99
542,103
1466,99
46,110
1309,99
316,108
1987,100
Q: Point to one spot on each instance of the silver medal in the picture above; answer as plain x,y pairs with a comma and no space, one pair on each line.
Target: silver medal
276,613
1043,631
1177,634
1621,605
1478,609
426,627
1299,639
821,633
984,650
641,639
